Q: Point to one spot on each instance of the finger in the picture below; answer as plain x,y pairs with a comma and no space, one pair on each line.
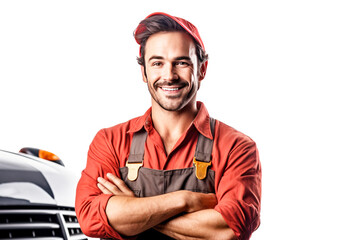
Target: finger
109,186
103,189
120,184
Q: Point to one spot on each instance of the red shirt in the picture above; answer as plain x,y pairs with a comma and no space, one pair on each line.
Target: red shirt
235,161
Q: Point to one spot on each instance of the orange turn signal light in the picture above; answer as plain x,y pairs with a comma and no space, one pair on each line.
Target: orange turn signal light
48,155
42,154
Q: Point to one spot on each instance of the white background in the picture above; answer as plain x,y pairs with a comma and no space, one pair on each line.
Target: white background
285,73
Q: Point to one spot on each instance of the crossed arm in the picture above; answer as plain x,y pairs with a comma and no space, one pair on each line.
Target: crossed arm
180,214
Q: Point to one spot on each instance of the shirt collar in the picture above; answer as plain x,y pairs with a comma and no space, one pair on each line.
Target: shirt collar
142,122
201,121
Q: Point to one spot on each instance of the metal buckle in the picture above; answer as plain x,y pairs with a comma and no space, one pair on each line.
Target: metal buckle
201,168
133,170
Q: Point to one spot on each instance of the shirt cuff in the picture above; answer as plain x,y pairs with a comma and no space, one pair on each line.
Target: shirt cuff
110,232
230,213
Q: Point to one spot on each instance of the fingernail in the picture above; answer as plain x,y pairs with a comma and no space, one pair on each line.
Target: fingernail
99,179
109,174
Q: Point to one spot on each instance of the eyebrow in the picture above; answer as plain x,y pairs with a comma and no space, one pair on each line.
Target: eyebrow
155,57
183,58
176,59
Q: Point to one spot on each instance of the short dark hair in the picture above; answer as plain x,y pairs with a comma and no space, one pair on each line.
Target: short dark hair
162,23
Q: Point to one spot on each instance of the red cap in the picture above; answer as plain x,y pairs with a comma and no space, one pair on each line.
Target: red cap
188,26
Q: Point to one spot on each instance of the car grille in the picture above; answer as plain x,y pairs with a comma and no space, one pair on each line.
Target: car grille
39,223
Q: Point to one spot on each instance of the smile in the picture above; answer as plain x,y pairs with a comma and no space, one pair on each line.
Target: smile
170,89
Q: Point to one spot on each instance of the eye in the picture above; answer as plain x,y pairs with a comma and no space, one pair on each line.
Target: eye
182,64
156,64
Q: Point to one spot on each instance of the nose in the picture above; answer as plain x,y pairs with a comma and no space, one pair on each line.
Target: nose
169,73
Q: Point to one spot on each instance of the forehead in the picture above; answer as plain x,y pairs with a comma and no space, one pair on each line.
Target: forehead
169,44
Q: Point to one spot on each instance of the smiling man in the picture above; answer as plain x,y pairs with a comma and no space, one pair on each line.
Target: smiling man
174,172
172,70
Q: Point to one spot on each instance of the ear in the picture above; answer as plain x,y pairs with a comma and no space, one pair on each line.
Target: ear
202,71
143,73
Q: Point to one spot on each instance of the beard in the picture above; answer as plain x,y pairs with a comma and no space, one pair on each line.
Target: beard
175,102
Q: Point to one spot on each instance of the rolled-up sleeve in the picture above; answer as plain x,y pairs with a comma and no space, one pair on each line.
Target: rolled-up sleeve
90,202
239,190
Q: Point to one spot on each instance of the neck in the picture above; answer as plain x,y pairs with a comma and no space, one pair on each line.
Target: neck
164,120
172,124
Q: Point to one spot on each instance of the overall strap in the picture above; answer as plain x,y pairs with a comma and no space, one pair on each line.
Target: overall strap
137,147
204,145
202,158
136,157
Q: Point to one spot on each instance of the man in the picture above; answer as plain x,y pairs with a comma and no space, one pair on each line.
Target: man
173,172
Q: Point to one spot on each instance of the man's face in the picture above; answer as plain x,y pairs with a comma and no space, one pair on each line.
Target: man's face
171,70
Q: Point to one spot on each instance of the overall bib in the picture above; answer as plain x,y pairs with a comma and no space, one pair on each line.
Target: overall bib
146,182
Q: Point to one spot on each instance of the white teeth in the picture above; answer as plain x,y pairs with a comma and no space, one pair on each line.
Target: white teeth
170,89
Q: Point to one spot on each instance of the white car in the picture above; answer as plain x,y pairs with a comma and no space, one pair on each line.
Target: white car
37,197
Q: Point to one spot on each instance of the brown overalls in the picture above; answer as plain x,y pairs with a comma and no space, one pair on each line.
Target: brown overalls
146,182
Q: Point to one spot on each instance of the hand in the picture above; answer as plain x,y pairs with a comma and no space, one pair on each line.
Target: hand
117,186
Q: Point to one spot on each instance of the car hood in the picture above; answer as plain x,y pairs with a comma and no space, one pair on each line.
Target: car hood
28,180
